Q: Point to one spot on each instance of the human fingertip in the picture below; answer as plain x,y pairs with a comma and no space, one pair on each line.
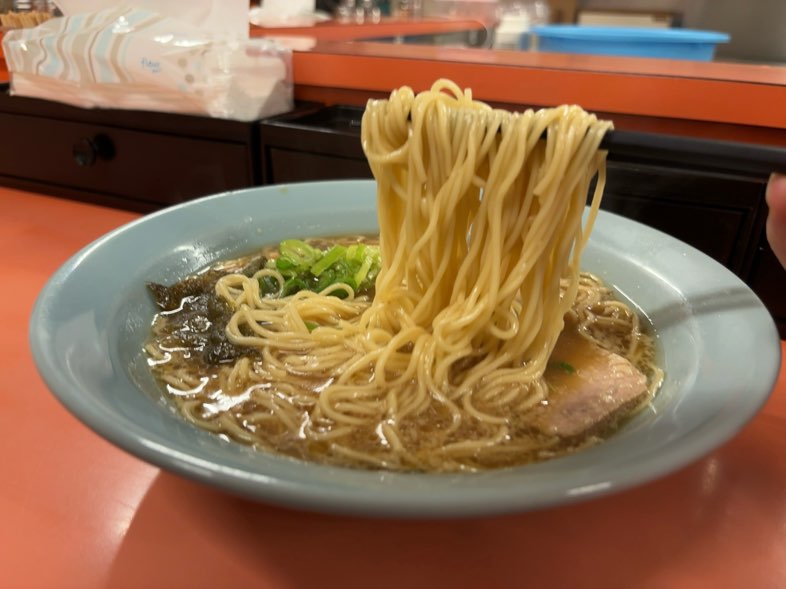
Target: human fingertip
776,188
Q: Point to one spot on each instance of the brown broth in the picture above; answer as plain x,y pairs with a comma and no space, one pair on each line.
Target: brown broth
575,363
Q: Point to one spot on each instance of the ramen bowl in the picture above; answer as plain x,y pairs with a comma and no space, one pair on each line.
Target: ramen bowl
717,344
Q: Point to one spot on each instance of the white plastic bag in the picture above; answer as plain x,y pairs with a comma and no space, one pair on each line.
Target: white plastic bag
133,58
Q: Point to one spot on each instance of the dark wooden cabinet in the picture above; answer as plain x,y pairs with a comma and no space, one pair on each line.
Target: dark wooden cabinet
288,165
131,159
323,144
714,213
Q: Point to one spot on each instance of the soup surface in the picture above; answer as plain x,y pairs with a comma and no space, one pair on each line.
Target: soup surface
600,373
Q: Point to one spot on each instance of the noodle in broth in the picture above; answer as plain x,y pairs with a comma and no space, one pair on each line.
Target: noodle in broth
481,237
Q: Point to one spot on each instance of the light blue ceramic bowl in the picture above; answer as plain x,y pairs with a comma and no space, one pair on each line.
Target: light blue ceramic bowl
720,351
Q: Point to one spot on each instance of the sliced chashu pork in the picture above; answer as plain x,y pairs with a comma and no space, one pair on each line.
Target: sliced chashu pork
603,386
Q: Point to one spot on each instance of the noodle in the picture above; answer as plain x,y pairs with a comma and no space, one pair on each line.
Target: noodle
481,237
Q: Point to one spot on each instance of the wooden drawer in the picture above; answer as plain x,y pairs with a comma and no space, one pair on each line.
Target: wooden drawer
714,213
287,165
323,144
138,165
137,160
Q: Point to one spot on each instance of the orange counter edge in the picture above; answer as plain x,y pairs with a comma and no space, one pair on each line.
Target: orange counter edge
696,99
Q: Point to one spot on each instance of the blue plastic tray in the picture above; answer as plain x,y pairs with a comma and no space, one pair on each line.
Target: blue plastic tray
636,42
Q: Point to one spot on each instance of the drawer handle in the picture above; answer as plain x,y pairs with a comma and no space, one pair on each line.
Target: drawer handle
86,151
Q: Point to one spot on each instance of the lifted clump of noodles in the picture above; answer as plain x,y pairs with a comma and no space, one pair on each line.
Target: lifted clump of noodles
481,237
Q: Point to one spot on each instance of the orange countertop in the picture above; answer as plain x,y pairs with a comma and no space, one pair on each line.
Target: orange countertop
687,91
78,512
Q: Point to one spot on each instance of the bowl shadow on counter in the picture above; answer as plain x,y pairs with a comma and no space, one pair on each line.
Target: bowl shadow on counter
187,534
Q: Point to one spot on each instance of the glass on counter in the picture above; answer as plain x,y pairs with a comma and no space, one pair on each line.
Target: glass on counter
359,12
18,14
516,20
